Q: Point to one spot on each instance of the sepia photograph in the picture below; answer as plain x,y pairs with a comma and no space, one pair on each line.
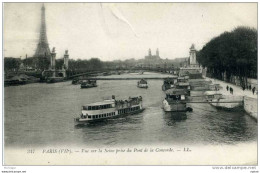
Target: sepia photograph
130,84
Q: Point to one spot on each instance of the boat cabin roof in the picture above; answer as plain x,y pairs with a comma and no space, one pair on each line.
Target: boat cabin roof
183,77
92,80
88,81
212,93
214,84
171,78
183,83
105,102
143,81
175,91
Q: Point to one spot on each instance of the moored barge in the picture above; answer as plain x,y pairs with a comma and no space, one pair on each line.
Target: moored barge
176,101
227,102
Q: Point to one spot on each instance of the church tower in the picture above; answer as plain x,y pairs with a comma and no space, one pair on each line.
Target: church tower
157,53
149,52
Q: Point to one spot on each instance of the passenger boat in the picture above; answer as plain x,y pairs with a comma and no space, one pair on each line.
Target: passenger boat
76,81
220,101
109,109
168,84
183,83
142,84
176,100
88,84
212,95
178,83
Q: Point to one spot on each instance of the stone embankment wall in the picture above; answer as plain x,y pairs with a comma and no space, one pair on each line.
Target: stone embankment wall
250,106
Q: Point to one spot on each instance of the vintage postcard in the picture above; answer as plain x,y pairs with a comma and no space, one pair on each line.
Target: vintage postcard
130,84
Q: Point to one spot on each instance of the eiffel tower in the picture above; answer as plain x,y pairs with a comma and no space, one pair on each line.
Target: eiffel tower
43,50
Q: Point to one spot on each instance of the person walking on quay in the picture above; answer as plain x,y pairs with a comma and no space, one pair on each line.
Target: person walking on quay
243,87
227,87
249,87
253,90
231,90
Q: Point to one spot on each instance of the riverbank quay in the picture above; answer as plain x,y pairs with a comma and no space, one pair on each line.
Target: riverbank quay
249,99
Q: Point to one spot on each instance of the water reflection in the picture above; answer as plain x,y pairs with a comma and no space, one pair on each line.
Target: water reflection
110,132
172,117
230,126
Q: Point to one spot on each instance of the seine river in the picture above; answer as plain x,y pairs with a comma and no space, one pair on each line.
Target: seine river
42,114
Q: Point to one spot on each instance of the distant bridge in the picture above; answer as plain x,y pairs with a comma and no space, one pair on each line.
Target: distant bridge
77,73
128,78
93,73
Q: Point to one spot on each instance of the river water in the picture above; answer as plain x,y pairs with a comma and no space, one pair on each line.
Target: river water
42,114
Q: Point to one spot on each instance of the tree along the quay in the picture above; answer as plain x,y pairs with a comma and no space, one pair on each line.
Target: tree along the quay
232,53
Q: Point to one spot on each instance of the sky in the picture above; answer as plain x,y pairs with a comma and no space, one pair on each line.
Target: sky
112,31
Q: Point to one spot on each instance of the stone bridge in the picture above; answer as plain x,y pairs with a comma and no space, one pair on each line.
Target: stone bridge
77,73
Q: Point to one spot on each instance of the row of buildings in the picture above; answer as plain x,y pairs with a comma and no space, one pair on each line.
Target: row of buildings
151,61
